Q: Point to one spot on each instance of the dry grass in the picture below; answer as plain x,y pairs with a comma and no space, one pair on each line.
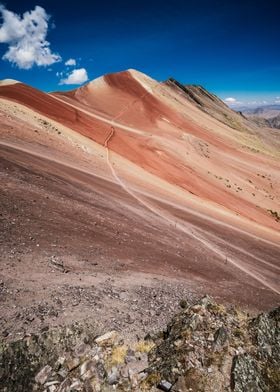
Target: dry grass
217,309
144,346
118,355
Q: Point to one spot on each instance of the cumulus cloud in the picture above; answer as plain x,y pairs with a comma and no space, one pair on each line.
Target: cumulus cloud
230,100
26,38
70,62
233,102
77,76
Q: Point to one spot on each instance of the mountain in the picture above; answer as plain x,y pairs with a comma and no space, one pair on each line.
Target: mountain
123,186
275,122
266,111
267,114
211,104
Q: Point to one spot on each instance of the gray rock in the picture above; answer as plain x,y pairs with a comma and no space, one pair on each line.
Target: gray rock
113,376
246,376
65,386
220,338
165,386
52,388
50,383
72,363
43,375
76,386
62,372
205,301
107,339
88,369
82,349
59,363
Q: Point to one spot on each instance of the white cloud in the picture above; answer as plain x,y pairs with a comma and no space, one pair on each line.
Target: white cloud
233,102
26,37
230,100
277,101
70,62
77,76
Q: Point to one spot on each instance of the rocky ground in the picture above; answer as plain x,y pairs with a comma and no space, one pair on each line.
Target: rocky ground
140,307
205,347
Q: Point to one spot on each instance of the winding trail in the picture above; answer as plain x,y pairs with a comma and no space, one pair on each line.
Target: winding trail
112,122
119,125
185,227
170,219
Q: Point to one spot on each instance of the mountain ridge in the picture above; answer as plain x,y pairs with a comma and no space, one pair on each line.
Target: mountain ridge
128,173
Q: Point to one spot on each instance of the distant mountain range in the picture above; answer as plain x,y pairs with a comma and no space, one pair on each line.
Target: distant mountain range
268,115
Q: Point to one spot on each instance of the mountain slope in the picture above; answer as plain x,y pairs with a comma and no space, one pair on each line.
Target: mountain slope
171,143
211,104
130,174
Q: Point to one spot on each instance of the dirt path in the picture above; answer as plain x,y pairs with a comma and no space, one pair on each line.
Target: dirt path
183,228
104,119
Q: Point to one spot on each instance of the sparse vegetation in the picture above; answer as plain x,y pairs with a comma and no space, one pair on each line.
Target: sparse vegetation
216,308
118,355
144,346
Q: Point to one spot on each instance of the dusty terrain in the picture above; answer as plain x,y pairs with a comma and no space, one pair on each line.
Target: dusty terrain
123,197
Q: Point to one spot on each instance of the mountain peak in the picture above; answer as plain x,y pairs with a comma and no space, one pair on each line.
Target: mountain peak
6,82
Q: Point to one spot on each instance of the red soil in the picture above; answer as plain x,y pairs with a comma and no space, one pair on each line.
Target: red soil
120,91
173,145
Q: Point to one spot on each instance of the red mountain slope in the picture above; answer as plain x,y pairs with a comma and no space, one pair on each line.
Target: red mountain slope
170,162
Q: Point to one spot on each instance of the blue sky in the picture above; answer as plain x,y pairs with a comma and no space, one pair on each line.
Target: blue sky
229,47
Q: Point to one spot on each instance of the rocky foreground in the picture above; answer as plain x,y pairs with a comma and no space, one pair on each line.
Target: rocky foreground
206,347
